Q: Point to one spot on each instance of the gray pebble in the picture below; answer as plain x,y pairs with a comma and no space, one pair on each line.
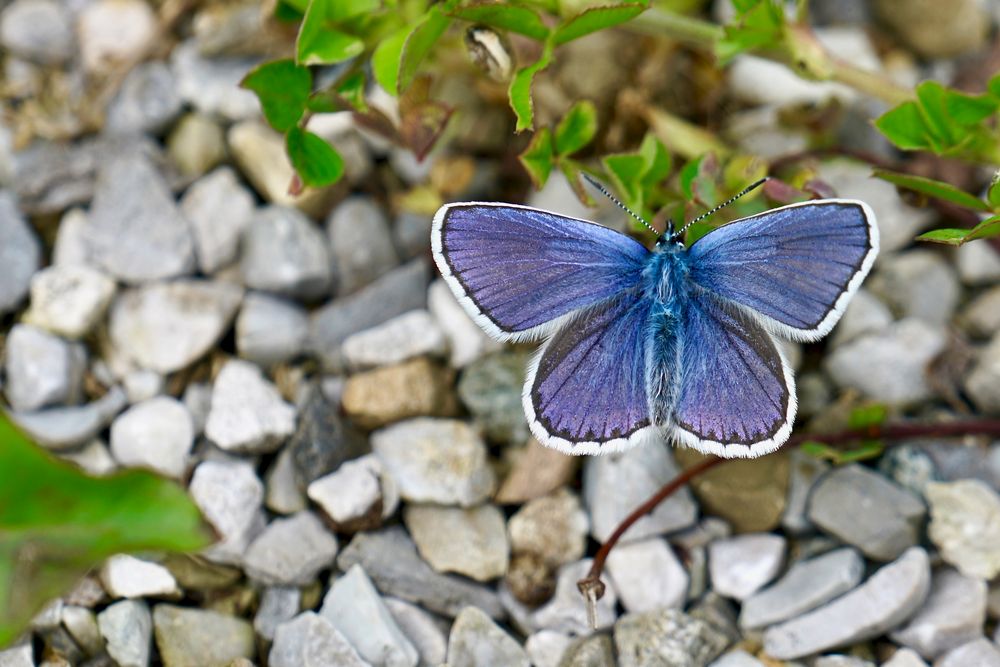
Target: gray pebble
309,640
270,330
81,623
981,317
614,485
567,610
889,597
983,383
807,585
125,576
323,440
952,615
742,565
593,651
404,337
41,369
476,640
390,558
155,434
197,399
805,470
918,283
147,101
353,494
466,339
278,604
283,494
355,608
167,326
979,652
212,86
63,428
909,466
186,636
865,313
546,648
472,542
20,253
841,661
142,385
20,655
864,509
491,388
360,243
69,300
114,31
978,264
219,209
291,551
248,414
285,253
737,659
648,575
552,527
411,232
229,495
965,526
905,657
423,630
38,30
127,628
196,144
666,637
135,231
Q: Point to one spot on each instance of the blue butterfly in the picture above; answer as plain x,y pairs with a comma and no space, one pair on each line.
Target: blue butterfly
671,342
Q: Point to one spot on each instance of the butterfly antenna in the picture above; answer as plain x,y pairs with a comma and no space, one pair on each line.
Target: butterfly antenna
721,206
593,181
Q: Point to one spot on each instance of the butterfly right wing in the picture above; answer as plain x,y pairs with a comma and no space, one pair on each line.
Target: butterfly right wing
518,270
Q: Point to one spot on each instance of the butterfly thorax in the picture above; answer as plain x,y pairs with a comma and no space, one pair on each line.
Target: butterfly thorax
665,276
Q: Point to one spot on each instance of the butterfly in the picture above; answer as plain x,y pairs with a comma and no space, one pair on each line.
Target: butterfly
671,342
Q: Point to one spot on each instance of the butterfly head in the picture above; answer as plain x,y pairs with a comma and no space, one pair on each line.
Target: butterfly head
669,238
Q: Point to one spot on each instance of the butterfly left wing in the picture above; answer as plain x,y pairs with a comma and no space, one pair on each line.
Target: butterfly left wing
735,395
517,270
796,266
586,387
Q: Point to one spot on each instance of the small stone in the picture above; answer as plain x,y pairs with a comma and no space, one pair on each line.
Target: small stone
142,385
229,494
742,565
291,551
390,394
491,389
155,434
980,652
284,252
126,576
195,573
750,495
401,290
354,608
20,655
983,383
278,604
476,640
422,629
391,559
81,623
197,399
127,628
168,326
553,528
323,440
195,145
567,610
212,85
411,230
889,366
807,585
546,648
977,264
64,428
38,30
805,470
965,526
219,209
918,283
909,466
887,599
352,497
147,101
41,369
737,659
981,317
933,32
537,471
866,510
865,313
952,615
614,485
114,32
135,231
270,330
666,637
283,495
905,657
309,640
841,661
194,637
472,542
593,651
248,414
20,254
404,337
466,339
647,575
69,300
360,242
435,461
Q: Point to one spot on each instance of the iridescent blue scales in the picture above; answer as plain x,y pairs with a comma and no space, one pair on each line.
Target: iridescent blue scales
674,342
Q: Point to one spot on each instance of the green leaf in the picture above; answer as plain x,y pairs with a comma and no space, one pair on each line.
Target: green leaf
969,110
688,173
756,25
626,171
993,193
56,523
513,18
419,43
386,60
988,228
656,159
352,89
932,188
933,112
519,91
946,236
868,449
318,42
315,161
904,127
537,157
593,19
819,450
994,86
283,90
577,128
340,10
865,416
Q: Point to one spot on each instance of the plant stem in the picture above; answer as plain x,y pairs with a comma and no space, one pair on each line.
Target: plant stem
592,587
687,29
869,83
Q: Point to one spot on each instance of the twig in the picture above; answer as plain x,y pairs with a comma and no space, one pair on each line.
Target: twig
591,585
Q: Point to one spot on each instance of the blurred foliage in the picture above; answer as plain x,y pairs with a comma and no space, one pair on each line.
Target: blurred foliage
56,523
861,418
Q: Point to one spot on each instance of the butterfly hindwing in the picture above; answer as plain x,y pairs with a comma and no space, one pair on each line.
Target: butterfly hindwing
797,266
585,392
517,269
735,395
